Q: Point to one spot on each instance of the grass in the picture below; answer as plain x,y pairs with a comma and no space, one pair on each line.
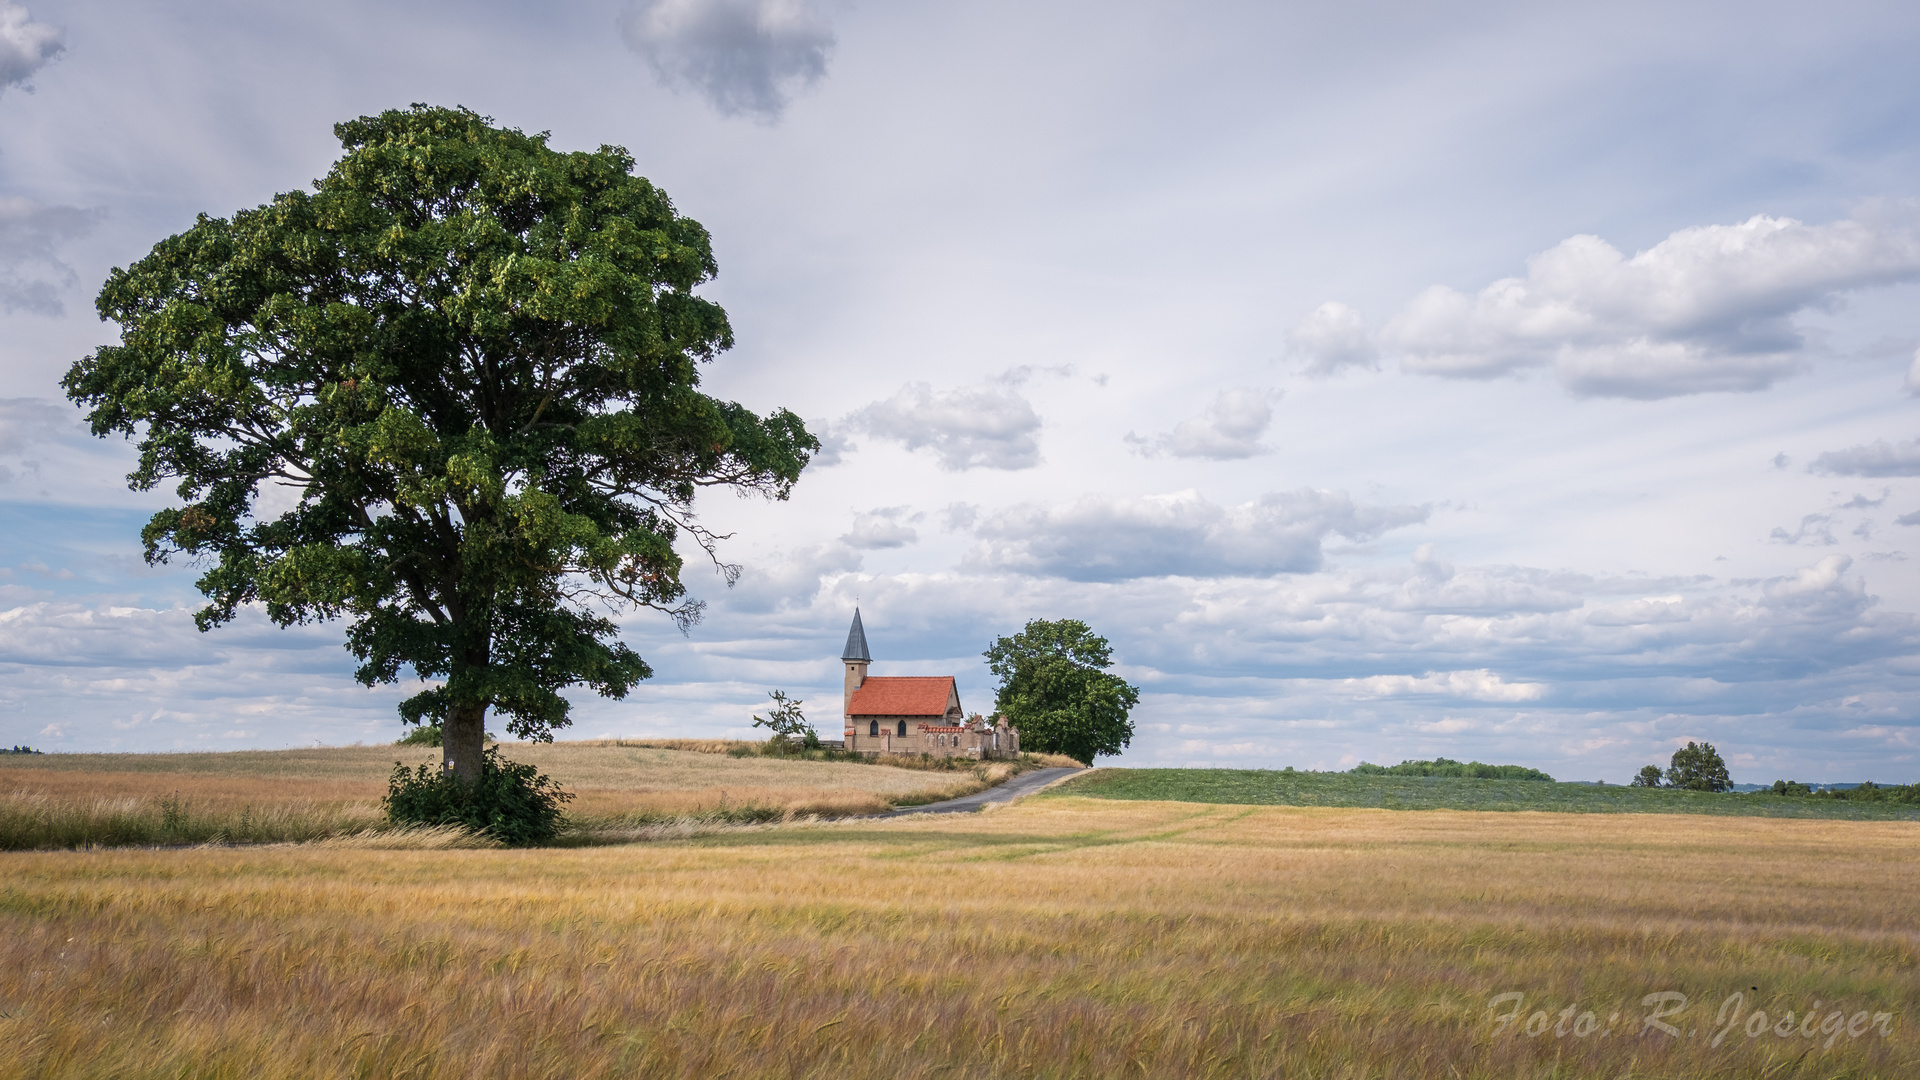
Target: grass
1262,787
1064,937
623,792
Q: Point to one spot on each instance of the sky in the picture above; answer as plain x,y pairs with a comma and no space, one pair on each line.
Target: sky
1525,382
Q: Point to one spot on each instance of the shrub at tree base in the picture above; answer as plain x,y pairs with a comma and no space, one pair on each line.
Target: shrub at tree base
511,802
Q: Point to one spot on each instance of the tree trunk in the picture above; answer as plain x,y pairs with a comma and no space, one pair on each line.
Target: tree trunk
462,741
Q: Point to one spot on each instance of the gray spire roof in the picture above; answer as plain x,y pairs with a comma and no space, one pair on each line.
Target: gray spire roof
856,641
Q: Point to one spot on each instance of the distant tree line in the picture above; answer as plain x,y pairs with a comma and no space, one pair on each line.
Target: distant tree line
1698,767
22,750
1867,792
1469,770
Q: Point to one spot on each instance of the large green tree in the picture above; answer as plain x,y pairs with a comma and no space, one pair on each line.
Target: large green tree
1056,690
471,363
1698,767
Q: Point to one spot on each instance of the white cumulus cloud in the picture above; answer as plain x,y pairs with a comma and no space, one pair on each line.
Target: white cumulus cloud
989,426
884,528
1333,338
746,57
1228,430
25,46
1103,538
1709,308
1477,685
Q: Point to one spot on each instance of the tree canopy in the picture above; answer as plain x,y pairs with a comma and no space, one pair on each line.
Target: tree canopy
1056,691
472,363
1697,767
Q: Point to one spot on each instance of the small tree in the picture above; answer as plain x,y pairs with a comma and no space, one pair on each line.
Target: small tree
1649,776
1697,767
786,721
1054,689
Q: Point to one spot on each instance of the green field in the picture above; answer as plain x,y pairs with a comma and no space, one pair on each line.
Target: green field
1266,787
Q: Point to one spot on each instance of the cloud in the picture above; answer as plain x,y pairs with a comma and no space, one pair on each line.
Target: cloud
1877,458
1912,381
786,580
1230,429
1477,685
988,426
27,422
746,57
99,670
1814,529
881,529
31,274
25,46
1436,586
834,444
1103,538
1709,308
1333,339
958,517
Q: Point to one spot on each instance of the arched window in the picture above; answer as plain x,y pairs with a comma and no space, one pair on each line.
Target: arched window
873,728
903,729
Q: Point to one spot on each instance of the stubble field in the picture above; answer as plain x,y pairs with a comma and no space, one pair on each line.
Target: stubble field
621,789
1059,937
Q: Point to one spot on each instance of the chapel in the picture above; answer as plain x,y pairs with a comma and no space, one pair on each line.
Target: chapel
914,714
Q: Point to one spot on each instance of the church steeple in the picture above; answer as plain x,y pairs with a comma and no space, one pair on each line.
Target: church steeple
856,658
856,641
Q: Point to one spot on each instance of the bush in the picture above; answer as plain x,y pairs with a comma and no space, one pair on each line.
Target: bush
510,802
1648,776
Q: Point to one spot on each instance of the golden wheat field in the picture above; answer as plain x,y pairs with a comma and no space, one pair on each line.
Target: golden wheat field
1059,937
70,800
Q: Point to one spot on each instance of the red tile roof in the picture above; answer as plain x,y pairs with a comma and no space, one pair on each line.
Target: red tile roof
896,695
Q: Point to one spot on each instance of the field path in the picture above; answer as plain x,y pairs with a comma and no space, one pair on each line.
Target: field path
1024,784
